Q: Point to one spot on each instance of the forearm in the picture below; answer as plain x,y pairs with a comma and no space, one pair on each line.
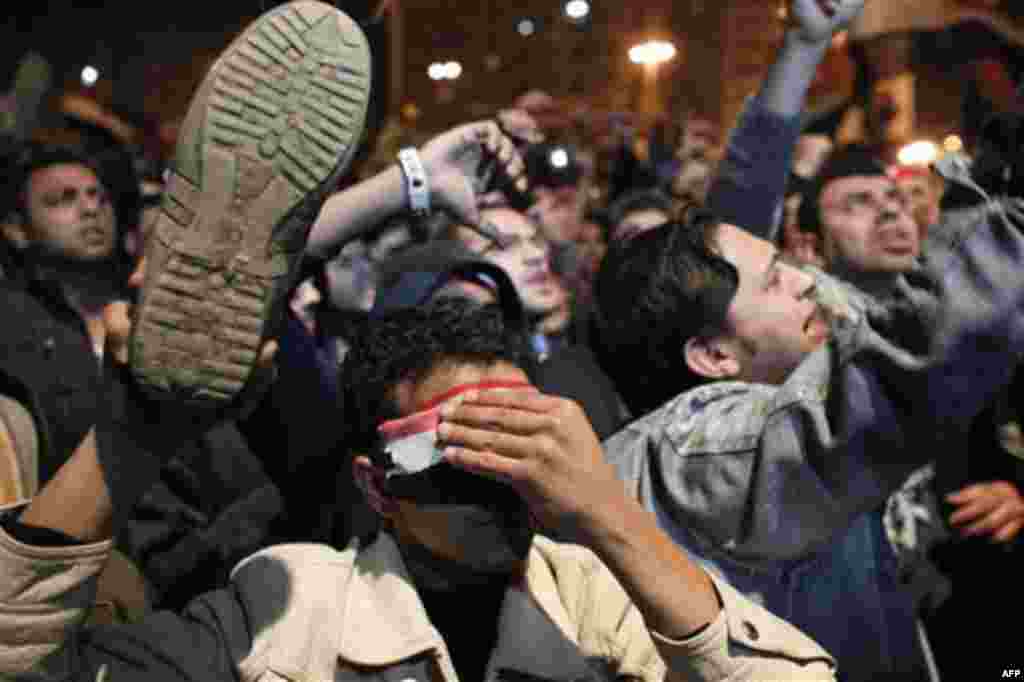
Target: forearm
76,501
784,89
347,215
675,596
750,183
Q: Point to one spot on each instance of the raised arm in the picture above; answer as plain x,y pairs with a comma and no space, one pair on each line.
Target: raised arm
544,447
459,165
751,181
770,473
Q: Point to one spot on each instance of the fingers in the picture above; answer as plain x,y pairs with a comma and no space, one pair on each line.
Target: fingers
486,464
520,126
512,166
990,523
528,399
1009,531
507,445
973,492
515,421
489,135
993,508
973,510
267,354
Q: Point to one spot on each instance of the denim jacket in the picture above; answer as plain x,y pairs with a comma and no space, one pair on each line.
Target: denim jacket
773,472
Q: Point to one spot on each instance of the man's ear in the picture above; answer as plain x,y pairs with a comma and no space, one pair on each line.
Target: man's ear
712,357
371,480
13,229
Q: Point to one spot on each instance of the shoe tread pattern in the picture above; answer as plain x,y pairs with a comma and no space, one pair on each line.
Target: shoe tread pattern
284,109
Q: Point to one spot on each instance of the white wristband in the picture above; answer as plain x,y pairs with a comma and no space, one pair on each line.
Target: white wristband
416,186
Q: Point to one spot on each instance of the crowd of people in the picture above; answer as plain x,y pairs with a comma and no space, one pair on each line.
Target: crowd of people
504,407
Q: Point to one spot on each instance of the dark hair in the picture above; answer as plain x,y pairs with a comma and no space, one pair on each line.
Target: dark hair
25,159
21,161
407,343
636,200
844,162
653,294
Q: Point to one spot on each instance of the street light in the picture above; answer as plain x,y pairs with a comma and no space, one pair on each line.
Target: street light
453,70
652,53
447,71
577,10
920,153
559,158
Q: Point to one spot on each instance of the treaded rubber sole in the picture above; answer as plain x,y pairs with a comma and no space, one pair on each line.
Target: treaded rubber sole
271,129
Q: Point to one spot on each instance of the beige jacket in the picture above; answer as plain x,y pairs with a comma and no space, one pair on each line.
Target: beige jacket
319,614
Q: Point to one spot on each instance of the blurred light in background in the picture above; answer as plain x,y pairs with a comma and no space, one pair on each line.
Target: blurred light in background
559,158
652,52
448,71
920,153
526,27
577,9
90,74
953,143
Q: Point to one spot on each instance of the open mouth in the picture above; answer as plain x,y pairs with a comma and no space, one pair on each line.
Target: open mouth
816,322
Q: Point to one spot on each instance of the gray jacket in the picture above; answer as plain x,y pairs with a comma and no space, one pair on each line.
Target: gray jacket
767,473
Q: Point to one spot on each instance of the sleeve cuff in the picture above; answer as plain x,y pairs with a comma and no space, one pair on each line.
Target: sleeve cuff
32,573
745,642
45,596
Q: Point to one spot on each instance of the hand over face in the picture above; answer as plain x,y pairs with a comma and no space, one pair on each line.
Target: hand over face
995,509
543,446
816,21
462,163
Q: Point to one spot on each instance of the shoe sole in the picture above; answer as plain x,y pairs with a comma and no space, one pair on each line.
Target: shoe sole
270,131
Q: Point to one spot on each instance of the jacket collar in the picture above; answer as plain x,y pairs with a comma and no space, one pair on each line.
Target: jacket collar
384,620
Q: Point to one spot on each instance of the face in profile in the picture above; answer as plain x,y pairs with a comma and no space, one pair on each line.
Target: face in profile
774,321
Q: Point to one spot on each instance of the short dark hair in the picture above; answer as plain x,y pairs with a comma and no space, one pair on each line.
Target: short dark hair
406,344
636,200
653,294
851,160
22,160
